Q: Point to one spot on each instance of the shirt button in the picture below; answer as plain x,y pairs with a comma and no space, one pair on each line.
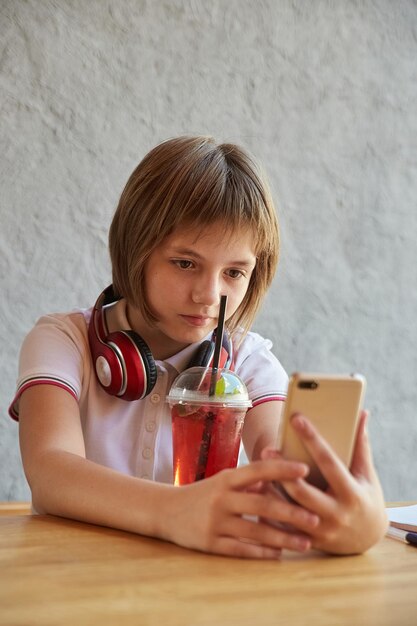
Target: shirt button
150,426
155,398
146,453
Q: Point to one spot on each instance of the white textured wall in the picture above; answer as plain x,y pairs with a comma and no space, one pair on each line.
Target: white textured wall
324,92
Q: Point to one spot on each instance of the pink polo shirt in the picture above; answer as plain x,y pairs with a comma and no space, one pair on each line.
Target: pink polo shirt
131,437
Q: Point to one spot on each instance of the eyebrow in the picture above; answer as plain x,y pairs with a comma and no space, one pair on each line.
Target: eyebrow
196,255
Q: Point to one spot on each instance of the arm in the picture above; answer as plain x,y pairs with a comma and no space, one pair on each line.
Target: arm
62,480
261,428
207,515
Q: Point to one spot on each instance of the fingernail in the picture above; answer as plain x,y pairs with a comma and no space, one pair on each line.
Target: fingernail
272,453
300,543
299,421
313,520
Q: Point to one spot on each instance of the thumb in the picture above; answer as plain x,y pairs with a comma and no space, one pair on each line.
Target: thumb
266,453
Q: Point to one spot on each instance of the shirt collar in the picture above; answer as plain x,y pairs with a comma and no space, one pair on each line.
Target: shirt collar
181,359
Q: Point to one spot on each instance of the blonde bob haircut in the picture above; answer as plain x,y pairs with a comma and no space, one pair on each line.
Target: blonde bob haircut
193,182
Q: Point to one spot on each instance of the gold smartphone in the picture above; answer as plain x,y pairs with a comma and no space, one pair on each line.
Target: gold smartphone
333,404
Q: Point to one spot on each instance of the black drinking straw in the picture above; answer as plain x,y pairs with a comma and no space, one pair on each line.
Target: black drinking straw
209,423
218,345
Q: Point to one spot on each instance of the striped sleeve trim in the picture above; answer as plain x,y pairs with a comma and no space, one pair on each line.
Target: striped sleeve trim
269,397
38,380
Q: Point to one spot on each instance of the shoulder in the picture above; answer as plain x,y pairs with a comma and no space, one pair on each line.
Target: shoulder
57,346
60,328
249,343
253,347
258,366
55,352
56,339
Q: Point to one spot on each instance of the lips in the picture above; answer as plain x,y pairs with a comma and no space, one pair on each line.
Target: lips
197,320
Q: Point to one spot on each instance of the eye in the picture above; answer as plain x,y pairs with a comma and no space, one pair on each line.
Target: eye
233,273
183,264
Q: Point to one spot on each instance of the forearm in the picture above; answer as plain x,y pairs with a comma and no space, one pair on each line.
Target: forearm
261,428
68,485
209,515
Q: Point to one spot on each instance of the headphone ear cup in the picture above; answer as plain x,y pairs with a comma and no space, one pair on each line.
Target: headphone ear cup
147,358
203,355
122,360
138,365
106,360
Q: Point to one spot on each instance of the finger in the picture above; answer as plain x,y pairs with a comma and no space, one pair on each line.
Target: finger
270,453
259,487
267,470
267,453
272,508
333,469
230,546
362,463
312,498
265,534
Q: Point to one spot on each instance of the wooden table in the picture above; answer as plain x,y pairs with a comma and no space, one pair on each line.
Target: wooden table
56,572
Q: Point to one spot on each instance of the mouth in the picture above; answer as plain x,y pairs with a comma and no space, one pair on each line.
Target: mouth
199,321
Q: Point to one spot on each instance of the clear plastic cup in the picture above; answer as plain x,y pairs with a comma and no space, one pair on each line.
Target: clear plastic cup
206,429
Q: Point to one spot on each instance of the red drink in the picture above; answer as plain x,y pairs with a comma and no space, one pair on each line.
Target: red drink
206,422
206,439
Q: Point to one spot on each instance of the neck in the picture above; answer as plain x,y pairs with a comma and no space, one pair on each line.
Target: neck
161,346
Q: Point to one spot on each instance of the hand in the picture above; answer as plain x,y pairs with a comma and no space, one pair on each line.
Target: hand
209,515
352,510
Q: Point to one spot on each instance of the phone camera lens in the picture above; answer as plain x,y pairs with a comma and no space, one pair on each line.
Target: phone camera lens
307,384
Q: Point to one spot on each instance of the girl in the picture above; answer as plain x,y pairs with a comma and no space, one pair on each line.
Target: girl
195,221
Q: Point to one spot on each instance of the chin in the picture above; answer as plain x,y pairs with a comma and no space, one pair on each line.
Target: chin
194,335
185,336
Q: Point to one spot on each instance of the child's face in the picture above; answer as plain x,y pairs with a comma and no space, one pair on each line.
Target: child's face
185,277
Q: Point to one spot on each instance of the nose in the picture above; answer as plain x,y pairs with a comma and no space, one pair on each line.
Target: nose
206,290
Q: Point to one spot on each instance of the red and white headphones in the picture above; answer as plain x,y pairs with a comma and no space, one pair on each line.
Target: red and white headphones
123,361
